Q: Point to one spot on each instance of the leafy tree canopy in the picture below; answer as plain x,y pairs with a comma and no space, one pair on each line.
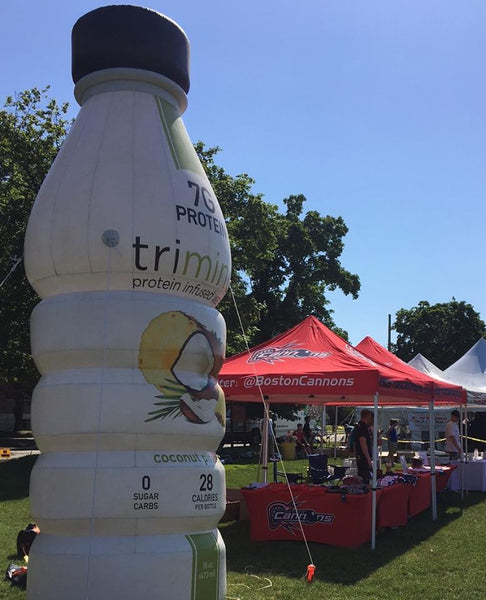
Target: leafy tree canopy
441,332
283,263
32,129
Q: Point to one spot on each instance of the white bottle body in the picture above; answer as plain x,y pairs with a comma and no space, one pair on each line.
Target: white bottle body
128,247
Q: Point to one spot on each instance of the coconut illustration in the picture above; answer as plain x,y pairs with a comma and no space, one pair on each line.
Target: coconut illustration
182,359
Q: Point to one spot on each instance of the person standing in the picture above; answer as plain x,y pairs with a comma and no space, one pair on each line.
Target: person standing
453,438
308,433
392,436
271,435
301,442
362,443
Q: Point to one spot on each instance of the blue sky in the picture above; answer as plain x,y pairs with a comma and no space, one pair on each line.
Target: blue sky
374,110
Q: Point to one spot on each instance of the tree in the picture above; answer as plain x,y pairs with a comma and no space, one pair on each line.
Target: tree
283,264
32,128
441,332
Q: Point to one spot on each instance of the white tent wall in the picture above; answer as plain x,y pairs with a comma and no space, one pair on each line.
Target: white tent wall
470,370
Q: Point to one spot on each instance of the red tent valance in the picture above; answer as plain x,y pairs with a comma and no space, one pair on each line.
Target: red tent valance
309,364
444,393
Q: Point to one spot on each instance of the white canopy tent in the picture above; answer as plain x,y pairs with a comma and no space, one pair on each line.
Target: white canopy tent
424,365
470,372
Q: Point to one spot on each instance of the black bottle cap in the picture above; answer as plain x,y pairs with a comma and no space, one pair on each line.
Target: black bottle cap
133,37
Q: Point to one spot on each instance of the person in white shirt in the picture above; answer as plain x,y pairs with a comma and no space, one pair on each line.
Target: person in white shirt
453,444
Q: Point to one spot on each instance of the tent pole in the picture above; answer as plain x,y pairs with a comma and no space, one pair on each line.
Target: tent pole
335,431
433,486
380,448
265,442
466,443
461,453
375,467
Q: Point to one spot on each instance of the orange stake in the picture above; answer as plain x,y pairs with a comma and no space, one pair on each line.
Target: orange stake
310,572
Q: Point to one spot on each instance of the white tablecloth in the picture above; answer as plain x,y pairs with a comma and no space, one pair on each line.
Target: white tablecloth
474,476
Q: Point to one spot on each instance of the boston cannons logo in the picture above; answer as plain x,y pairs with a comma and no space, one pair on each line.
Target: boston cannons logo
354,352
279,353
281,514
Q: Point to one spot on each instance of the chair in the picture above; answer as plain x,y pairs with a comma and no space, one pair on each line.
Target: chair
290,477
424,457
319,472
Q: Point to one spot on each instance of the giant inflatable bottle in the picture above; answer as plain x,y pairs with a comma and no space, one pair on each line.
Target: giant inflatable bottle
128,249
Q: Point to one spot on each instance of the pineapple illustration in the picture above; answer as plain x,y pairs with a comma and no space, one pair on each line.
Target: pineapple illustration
182,359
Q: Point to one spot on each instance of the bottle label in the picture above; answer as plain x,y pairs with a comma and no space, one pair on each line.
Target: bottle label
180,145
205,566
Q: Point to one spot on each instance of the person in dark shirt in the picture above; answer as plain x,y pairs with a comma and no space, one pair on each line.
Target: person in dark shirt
308,432
392,435
362,443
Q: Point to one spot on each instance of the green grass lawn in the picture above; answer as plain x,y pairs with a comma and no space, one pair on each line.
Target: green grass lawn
441,560
14,516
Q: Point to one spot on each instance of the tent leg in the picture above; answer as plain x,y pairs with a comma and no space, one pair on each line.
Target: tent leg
466,447
375,468
433,486
380,447
461,453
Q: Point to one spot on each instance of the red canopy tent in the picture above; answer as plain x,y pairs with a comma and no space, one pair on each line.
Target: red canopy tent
444,393
309,364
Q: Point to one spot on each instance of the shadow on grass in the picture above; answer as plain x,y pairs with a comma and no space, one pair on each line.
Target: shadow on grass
15,477
339,565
